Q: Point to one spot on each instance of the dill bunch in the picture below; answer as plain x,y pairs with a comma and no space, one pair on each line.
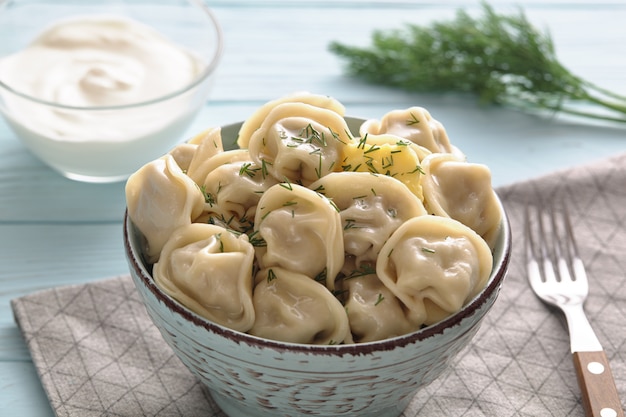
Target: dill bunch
500,58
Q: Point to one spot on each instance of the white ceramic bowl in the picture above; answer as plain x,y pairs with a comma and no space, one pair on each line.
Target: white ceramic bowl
249,376
151,127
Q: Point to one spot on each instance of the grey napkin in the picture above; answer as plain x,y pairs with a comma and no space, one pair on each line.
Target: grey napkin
97,352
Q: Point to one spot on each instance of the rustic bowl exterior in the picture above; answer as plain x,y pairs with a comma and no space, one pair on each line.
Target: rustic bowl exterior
249,376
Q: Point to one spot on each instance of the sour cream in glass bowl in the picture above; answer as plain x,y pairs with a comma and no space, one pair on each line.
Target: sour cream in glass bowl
97,89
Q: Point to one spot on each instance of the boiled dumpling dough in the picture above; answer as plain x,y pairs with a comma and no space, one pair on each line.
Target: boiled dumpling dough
209,144
160,198
414,124
209,270
434,265
291,307
183,153
374,312
463,191
233,189
252,123
371,207
302,232
299,143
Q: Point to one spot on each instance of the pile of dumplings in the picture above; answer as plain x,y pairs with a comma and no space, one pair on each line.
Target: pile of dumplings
308,233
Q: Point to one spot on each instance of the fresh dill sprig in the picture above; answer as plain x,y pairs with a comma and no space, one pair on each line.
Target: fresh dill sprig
503,59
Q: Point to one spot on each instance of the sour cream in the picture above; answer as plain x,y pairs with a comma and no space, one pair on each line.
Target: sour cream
66,88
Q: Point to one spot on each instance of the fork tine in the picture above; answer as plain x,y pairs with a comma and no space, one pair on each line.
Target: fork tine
563,240
532,264
569,233
577,267
549,273
529,243
538,261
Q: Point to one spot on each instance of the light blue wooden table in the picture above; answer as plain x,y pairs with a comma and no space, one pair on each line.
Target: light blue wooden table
56,232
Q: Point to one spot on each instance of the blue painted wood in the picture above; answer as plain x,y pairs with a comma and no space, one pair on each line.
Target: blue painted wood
54,231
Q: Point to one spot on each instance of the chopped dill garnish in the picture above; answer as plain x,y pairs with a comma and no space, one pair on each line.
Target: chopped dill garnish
363,270
418,168
256,239
208,197
387,162
362,142
246,169
271,275
264,165
318,170
218,237
372,148
413,120
332,203
350,224
321,277
286,184
379,299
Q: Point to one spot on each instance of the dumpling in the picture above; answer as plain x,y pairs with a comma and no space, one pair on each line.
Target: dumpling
183,153
386,155
374,312
414,124
302,232
234,189
291,307
209,143
160,198
463,191
371,207
212,163
299,143
209,270
251,124
434,265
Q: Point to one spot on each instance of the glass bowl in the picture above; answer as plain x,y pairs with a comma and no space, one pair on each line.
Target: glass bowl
99,141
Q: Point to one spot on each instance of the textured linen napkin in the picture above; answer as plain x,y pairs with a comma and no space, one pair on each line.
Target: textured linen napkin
97,352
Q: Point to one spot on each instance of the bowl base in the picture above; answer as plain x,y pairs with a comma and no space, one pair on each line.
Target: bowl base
235,408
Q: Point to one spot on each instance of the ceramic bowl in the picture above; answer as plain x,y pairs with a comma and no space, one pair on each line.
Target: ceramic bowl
105,143
254,377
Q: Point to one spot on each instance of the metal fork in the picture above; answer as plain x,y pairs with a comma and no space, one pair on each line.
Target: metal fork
557,276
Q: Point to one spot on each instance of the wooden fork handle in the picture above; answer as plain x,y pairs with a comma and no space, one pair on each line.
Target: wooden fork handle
599,394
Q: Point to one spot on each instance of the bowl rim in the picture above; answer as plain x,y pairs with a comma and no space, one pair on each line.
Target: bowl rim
501,263
208,71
